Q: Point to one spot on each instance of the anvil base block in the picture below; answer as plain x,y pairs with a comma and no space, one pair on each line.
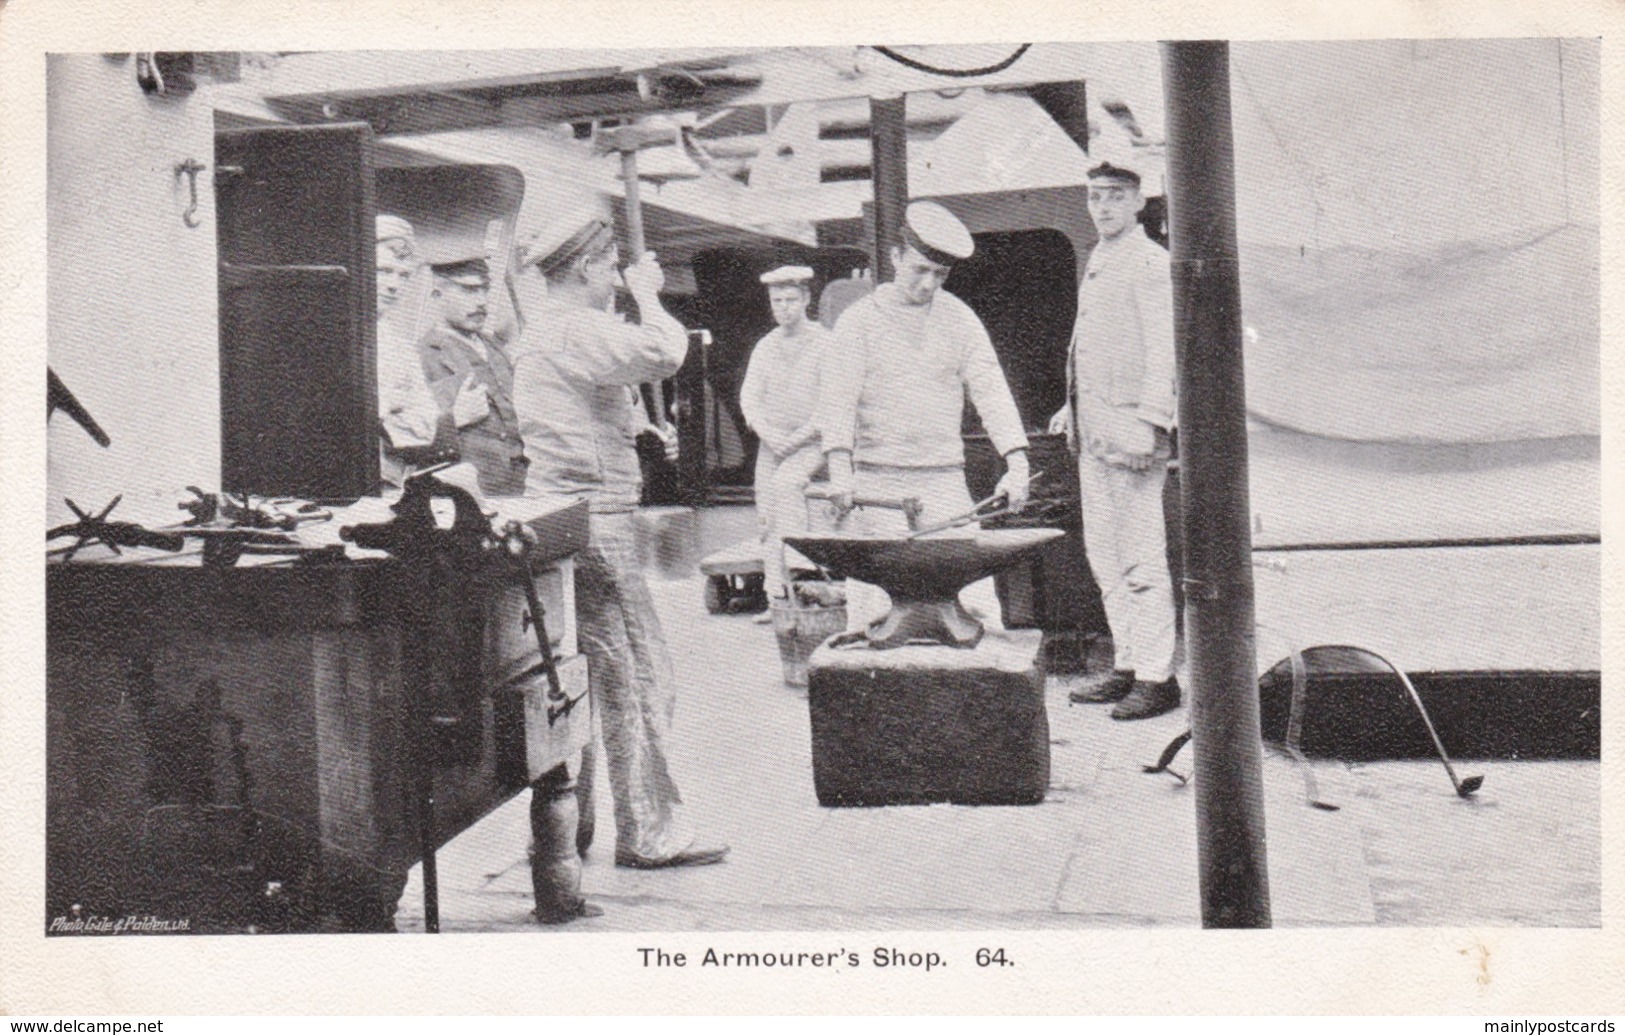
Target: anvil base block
926,724
942,621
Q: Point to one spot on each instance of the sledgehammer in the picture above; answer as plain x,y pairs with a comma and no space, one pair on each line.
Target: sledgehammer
627,141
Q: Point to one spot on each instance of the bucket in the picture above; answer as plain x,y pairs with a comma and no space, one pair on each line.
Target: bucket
800,628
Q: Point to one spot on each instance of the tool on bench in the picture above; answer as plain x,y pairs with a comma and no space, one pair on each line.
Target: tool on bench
414,531
223,547
231,527
112,534
246,511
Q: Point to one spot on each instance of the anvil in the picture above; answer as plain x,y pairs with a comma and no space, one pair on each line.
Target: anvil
923,577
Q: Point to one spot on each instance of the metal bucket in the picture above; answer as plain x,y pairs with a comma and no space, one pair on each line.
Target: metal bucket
800,628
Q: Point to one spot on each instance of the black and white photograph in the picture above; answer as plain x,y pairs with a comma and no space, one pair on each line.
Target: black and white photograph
716,490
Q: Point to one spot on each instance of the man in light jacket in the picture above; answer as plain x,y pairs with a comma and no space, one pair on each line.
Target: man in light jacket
573,368
1119,418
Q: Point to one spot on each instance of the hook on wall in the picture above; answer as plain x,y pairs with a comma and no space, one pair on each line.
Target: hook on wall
190,168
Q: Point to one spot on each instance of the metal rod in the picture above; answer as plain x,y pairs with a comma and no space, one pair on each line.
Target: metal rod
1216,534
419,631
538,619
654,396
423,756
431,873
888,144
1553,539
1464,787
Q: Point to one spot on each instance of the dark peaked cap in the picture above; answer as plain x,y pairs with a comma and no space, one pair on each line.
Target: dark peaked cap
464,271
936,233
1108,173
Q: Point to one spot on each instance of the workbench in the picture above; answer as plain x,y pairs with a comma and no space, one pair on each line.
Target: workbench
234,747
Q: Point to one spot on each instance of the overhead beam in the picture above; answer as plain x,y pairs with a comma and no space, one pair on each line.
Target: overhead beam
328,74
395,116
781,76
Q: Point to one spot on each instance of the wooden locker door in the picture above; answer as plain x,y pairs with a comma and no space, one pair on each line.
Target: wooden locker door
298,387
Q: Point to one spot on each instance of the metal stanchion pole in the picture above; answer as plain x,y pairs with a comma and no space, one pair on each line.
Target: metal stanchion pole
888,144
1216,539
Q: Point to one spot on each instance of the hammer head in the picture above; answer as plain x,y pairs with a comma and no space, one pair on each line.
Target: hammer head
638,137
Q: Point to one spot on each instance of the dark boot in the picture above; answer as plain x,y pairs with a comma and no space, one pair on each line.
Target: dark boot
555,864
1113,688
1148,699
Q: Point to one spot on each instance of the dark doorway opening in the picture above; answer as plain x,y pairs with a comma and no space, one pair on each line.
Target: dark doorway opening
1023,284
732,304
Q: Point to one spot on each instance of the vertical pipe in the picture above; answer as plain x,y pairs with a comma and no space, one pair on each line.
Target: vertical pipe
888,143
1216,538
426,846
417,654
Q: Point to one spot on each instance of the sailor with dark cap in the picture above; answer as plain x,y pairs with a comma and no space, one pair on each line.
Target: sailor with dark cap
781,386
471,375
574,365
893,398
1119,418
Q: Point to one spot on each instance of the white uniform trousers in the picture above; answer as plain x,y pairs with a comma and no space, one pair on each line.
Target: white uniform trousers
781,506
1124,536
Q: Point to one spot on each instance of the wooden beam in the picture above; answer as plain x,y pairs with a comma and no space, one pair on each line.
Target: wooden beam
395,116
330,74
742,77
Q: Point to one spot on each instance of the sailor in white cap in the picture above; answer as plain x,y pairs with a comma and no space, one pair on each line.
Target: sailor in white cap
406,408
574,364
777,397
471,374
1119,418
893,399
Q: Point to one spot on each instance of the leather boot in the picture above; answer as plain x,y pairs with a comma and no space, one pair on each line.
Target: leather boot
1113,688
1148,699
555,864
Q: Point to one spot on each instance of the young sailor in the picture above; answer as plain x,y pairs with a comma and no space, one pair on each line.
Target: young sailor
1118,419
893,399
778,396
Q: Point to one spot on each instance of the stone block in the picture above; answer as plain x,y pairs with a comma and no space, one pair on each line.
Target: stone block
923,724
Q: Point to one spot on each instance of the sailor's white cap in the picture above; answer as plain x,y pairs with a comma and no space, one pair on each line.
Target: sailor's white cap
936,233
796,275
